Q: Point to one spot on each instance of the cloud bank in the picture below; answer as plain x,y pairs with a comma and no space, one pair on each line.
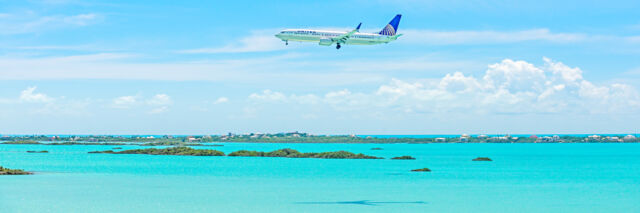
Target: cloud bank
508,87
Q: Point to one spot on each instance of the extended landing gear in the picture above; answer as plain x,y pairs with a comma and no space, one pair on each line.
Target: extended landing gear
338,46
286,42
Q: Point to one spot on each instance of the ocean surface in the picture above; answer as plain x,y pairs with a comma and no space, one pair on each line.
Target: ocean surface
522,178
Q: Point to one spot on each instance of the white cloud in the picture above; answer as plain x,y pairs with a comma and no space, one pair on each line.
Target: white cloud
159,99
124,102
258,41
433,37
159,110
221,100
158,103
634,39
268,95
65,108
28,95
271,96
507,87
30,22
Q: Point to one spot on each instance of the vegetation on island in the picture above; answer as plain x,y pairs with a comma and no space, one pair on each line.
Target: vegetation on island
376,148
292,153
482,159
406,157
43,151
181,150
116,148
421,170
7,171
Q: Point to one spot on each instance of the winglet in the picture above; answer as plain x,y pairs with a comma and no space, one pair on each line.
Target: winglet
358,28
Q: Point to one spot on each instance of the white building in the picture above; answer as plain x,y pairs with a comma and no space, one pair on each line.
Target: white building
629,138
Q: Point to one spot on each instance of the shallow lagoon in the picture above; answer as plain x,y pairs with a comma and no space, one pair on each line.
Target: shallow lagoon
522,178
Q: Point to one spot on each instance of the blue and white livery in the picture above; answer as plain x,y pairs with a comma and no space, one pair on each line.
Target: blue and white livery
328,38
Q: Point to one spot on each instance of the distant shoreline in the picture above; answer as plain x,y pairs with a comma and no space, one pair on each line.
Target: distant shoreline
296,137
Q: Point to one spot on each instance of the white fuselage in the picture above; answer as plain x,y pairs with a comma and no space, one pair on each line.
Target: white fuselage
325,37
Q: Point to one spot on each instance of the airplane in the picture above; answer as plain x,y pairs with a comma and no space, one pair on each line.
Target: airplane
355,37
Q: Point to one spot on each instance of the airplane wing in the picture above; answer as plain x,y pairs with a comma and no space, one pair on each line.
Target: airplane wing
345,37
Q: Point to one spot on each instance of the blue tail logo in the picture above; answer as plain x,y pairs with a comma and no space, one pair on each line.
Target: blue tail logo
392,27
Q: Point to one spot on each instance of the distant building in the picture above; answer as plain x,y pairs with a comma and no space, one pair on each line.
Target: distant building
629,138
545,139
594,137
440,140
500,139
483,136
464,139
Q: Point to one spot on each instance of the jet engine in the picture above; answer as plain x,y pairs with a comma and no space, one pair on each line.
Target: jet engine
326,42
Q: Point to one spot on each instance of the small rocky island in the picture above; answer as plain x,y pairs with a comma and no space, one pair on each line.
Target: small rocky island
7,171
292,153
406,157
482,159
421,170
43,151
167,151
376,148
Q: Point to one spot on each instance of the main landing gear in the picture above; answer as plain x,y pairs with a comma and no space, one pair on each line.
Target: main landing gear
338,46
286,42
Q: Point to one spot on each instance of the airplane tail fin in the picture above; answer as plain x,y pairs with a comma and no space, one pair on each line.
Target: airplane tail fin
392,27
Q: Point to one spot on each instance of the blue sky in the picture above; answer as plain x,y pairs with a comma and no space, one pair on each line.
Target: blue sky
193,67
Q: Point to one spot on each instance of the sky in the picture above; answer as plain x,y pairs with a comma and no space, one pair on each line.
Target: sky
201,67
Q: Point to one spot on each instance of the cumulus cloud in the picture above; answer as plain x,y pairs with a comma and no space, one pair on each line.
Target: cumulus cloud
30,96
510,86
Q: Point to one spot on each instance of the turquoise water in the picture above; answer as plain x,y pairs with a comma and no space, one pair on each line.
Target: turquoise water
522,178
